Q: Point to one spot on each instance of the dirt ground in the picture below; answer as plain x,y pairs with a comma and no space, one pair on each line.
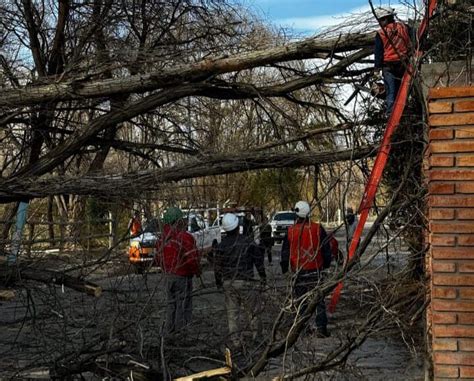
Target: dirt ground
48,325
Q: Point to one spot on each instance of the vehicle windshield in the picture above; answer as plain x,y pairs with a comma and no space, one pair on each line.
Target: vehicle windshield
285,216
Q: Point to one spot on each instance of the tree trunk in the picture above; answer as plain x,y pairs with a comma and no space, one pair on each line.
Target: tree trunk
316,191
8,217
51,222
31,237
61,204
74,229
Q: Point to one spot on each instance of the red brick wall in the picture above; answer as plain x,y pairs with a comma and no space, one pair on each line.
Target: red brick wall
451,215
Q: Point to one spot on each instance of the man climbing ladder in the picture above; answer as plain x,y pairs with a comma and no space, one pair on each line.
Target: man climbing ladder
384,150
392,47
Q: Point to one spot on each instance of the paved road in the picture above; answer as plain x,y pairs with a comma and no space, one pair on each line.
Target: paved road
46,321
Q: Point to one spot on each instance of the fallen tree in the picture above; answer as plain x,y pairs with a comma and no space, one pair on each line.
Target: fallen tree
64,89
28,271
219,164
219,90
86,109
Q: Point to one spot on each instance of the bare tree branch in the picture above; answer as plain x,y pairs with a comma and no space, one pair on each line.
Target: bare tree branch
79,89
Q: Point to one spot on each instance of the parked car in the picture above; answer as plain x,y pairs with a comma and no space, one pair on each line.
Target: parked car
142,248
280,222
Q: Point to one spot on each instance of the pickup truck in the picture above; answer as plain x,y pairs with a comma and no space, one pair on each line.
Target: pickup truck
142,248
280,222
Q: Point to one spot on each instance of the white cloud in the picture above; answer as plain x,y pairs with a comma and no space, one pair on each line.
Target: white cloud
356,19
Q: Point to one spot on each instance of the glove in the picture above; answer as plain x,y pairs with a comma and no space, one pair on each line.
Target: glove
377,74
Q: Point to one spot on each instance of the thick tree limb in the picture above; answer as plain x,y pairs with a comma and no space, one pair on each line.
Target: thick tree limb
49,277
35,45
222,90
77,89
134,146
137,183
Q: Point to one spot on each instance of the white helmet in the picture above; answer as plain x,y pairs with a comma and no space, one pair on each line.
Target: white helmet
382,12
229,222
302,209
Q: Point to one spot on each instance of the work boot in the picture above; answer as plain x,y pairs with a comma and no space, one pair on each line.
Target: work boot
322,332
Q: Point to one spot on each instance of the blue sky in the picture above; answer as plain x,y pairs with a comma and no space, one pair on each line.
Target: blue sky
280,9
309,15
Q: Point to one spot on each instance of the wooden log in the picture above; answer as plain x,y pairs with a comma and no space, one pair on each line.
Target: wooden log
52,277
228,358
224,371
35,374
13,274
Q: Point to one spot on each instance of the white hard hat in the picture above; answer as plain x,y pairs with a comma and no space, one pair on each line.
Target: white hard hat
302,209
230,221
382,12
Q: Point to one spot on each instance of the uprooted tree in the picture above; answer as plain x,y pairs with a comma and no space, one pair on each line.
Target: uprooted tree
127,101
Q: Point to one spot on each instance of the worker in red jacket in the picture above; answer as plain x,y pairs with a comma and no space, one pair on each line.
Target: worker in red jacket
134,225
177,255
306,249
392,46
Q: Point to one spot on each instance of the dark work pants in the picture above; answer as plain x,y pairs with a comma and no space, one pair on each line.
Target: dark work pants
392,78
242,300
179,307
269,253
305,282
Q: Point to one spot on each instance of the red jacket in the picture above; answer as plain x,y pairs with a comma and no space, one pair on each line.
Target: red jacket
177,252
305,248
135,226
396,41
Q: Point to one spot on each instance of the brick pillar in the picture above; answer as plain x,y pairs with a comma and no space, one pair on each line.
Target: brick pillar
451,215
